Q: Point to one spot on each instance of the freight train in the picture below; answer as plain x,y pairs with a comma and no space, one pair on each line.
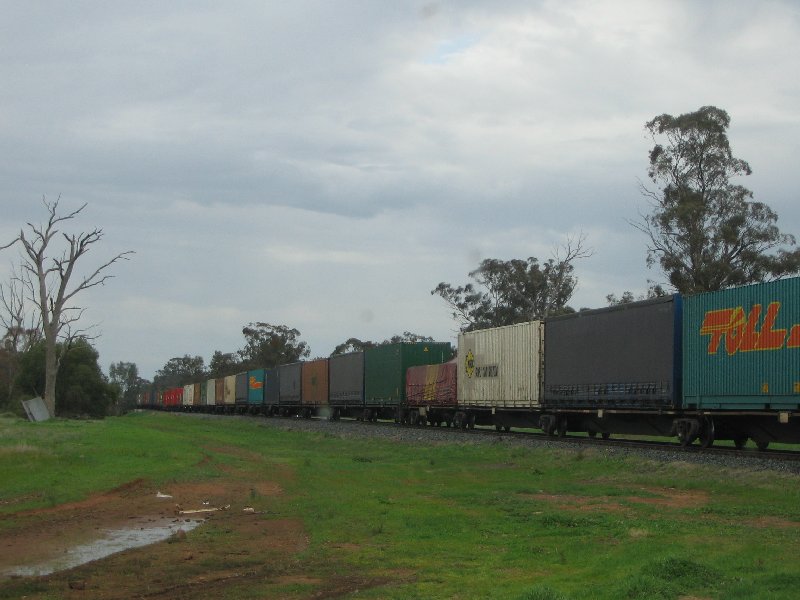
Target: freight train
720,365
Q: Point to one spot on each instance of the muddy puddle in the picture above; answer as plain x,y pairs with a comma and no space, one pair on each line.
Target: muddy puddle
110,542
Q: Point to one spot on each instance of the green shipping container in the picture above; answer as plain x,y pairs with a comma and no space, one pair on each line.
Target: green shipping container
742,348
385,368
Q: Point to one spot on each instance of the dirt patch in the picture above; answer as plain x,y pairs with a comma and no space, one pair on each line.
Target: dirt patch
232,545
580,503
665,497
672,498
773,523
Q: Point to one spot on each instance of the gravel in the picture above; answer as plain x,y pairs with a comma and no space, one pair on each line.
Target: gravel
442,435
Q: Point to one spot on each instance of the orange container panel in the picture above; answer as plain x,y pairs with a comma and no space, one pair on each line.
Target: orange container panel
198,387
219,394
315,382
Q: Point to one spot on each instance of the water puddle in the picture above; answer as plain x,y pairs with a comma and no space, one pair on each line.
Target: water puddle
113,541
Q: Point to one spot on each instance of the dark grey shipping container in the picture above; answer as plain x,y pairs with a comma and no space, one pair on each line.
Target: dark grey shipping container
271,387
625,356
290,381
346,379
241,388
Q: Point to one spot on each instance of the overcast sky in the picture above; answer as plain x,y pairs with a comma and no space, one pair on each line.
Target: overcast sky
325,164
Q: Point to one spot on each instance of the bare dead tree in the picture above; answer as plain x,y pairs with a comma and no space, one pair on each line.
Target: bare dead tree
48,282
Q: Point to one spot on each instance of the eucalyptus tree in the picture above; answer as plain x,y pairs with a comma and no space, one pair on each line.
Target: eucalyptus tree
515,291
705,231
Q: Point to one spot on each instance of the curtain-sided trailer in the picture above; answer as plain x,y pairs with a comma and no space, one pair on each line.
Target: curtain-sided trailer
613,370
431,394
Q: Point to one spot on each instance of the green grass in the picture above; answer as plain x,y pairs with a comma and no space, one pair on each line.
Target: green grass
451,520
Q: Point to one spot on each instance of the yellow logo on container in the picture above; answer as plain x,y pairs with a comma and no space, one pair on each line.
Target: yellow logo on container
469,364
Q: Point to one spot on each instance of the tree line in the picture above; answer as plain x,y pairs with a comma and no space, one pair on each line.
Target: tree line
703,231
265,346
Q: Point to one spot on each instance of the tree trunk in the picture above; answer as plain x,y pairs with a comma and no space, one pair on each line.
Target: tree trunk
51,372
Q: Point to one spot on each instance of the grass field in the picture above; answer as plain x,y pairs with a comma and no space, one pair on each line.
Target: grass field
364,518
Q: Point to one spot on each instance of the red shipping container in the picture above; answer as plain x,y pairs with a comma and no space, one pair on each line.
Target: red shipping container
432,385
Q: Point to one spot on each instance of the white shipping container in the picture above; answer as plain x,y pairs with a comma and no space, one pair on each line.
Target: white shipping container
230,390
211,392
188,394
501,367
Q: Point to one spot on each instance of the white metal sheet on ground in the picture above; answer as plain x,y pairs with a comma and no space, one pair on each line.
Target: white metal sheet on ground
501,367
36,409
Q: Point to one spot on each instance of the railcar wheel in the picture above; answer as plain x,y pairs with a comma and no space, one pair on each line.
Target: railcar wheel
707,433
498,427
606,435
762,444
471,422
740,441
687,431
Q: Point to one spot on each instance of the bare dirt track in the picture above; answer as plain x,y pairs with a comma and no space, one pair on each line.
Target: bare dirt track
231,544
247,547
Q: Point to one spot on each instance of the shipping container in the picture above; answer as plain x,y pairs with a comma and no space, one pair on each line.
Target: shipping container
203,393
241,388
742,348
432,385
211,392
188,395
346,379
197,395
229,397
271,387
219,393
385,369
625,356
290,381
255,387
315,382
173,397
501,367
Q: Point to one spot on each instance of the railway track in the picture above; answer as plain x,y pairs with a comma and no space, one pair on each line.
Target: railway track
663,449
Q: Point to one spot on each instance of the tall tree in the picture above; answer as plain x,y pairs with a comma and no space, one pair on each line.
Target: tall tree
352,345
704,231
50,269
654,290
356,345
82,388
180,370
223,364
515,291
125,376
268,345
